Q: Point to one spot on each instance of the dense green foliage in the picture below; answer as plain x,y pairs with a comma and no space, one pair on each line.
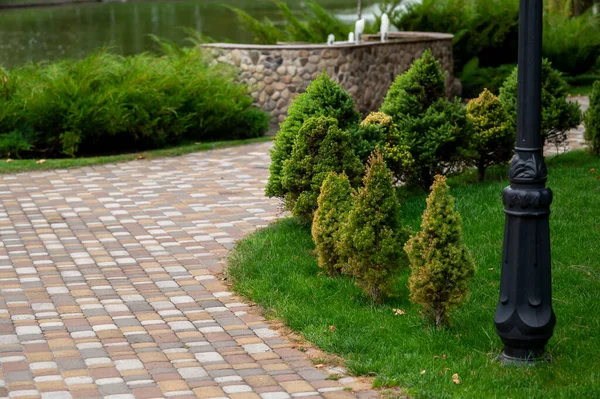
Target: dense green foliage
440,263
476,79
572,44
320,147
276,268
314,25
141,102
484,29
377,131
592,120
558,114
323,97
435,131
334,204
493,133
373,236
488,30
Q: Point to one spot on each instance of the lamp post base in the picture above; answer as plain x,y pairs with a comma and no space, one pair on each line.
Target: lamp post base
522,357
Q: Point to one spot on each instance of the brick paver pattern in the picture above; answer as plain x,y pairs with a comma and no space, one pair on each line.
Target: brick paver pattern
109,287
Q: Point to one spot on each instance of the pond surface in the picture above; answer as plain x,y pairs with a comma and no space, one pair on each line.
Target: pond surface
49,33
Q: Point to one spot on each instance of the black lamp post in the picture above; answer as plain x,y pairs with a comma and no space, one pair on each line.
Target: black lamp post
524,317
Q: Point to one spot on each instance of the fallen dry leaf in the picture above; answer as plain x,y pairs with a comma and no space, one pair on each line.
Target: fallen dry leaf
443,355
197,143
139,157
332,328
593,170
9,160
399,312
423,372
455,379
40,161
491,268
319,366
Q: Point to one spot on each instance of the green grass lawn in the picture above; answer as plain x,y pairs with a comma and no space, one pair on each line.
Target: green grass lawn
24,165
276,268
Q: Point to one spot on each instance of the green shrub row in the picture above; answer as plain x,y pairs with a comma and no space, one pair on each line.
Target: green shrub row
418,136
592,120
107,103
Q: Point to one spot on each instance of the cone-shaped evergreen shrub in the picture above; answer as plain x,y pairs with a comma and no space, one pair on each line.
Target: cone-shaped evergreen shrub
558,115
323,97
440,262
373,235
414,91
435,131
439,140
320,147
592,120
494,136
335,202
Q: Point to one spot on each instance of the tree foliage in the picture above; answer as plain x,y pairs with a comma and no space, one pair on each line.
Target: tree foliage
440,263
323,97
373,235
321,146
592,120
334,204
558,115
493,137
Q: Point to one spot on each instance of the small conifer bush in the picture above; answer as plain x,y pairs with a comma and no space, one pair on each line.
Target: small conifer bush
493,137
323,97
373,236
414,91
558,115
435,131
592,120
320,147
334,204
440,263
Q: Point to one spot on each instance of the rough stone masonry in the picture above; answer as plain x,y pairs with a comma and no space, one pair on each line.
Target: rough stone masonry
277,73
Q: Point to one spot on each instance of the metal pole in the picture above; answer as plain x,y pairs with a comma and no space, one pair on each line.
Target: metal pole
359,9
524,317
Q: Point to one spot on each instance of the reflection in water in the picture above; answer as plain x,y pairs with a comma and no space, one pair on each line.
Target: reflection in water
39,34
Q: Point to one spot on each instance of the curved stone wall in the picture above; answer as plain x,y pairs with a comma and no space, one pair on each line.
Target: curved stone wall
277,73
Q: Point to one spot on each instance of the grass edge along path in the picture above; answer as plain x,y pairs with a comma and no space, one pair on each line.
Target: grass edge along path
275,267
26,165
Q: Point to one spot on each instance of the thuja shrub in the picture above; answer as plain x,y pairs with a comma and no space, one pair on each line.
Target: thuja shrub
435,131
440,263
592,120
321,146
373,235
323,97
334,204
558,115
493,135
415,90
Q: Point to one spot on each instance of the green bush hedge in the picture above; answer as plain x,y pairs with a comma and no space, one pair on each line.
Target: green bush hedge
107,103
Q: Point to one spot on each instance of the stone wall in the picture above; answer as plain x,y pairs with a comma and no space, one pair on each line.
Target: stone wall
277,73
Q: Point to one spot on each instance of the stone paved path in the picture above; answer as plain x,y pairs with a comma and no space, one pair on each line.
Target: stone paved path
108,284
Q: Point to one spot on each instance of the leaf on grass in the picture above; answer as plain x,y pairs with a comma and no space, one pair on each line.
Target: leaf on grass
491,268
455,379
399,312
140,157
9,160
423,372
332,328
593,170
197,143
40,161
